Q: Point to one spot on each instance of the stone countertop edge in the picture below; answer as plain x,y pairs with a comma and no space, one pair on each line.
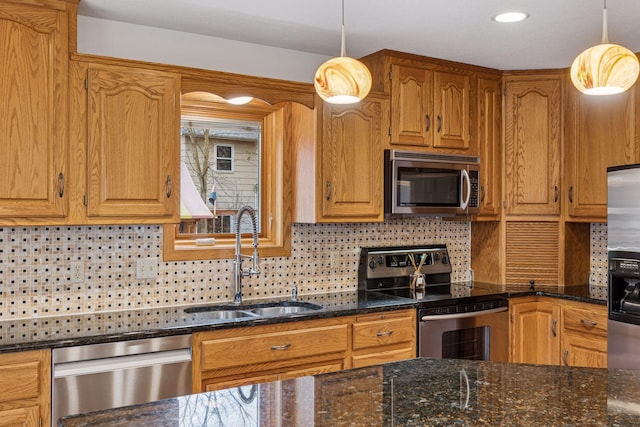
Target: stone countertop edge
102,327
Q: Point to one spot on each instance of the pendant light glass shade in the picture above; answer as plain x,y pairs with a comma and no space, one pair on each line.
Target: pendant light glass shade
605,69
342,80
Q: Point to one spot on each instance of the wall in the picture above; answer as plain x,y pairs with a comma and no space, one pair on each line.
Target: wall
35,265
598,278
139,42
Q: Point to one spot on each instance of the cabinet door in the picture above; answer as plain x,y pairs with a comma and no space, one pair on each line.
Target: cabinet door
533,132
33,101
412,120
532,252
584,350
535,333
352,156
133,143
451,110
24,417
603,134
489,145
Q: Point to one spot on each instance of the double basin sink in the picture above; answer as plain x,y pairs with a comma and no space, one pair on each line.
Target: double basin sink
221,313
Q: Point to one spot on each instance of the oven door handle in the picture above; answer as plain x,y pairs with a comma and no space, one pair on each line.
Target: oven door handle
463,315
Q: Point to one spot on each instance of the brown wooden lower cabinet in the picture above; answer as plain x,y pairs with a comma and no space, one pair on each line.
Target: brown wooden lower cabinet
257,354
553,331
25,388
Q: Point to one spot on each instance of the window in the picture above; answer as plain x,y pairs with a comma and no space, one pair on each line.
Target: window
234,156
224,158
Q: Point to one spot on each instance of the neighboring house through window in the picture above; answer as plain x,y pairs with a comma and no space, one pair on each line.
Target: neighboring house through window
223,158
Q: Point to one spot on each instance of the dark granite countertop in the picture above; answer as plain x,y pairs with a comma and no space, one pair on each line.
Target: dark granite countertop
418,392
82,329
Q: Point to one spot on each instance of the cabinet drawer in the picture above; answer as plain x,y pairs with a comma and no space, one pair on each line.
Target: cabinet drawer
370,359
383,332
273,346
19,381
584,320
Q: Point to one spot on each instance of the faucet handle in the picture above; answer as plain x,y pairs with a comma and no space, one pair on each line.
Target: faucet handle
255,268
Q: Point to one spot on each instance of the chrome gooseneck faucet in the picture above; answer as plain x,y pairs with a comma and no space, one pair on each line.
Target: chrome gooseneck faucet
238,272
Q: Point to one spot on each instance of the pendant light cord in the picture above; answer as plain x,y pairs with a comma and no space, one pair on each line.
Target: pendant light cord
605,31
342,49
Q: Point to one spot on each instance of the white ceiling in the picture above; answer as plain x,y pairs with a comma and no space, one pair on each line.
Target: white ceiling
459,30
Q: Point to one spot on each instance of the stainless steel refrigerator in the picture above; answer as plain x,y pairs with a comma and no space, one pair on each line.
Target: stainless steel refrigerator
623,248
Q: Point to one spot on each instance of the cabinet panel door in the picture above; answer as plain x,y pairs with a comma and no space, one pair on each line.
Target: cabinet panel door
352,160
535,333
133,143
489,141
412,120
33,92
533,132
532,253
451,109
603,135
24,417
584,350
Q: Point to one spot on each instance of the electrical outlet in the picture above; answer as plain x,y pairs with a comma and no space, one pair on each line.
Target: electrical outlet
147,268
335,259
76,273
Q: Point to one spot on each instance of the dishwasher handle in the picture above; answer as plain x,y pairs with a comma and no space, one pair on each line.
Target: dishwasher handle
463,315
109,364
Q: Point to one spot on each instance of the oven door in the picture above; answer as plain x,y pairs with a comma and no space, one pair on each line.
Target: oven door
478,335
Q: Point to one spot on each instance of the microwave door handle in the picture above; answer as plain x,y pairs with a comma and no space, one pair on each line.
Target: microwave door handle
464,203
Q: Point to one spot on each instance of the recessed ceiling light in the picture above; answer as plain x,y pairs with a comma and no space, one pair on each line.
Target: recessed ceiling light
510,17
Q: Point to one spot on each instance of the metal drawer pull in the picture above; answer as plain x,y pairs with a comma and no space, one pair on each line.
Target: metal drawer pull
384,334
281,347
553,327
588,322
565,357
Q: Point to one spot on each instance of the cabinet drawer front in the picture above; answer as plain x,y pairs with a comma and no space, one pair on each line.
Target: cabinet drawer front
586,321
382,332
271,347
19,381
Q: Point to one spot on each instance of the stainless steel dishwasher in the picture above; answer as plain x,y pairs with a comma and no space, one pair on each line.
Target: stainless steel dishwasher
108,375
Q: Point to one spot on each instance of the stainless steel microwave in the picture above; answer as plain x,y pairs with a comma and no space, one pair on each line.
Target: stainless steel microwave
430,183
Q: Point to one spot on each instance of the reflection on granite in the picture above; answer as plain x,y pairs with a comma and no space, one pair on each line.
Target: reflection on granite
418,392
59,331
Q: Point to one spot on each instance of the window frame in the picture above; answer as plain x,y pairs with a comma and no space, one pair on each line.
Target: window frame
276,183
231,158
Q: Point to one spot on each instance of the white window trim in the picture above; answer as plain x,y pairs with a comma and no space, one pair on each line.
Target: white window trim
215,158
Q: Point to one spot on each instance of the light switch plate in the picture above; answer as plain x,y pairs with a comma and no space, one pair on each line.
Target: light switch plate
147,268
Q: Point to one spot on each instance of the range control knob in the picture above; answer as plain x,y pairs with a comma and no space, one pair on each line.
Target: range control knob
372,264
436,256
428,260
380,260
444,259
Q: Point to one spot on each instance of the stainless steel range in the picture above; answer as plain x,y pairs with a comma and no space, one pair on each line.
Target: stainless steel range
456,321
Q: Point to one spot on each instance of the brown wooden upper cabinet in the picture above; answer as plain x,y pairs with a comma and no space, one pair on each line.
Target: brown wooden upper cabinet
429,108
533,137
339,169
33,96
601,132
132,118
489,138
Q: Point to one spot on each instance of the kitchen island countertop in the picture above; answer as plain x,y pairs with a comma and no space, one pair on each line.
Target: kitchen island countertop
416,392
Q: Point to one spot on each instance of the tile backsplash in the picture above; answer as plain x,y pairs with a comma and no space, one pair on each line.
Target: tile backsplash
35,265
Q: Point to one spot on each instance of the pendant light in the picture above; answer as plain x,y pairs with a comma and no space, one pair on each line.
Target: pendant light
605,69
342,80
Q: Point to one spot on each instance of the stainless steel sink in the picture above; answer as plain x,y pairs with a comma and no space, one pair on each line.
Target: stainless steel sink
224,313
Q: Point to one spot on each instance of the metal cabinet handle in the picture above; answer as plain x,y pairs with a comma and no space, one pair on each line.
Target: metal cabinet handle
565,358
328,190
384,334
553,327
571,194
169,186
60,184
555,194
439,123
428,119
588,323
286,346
482,193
